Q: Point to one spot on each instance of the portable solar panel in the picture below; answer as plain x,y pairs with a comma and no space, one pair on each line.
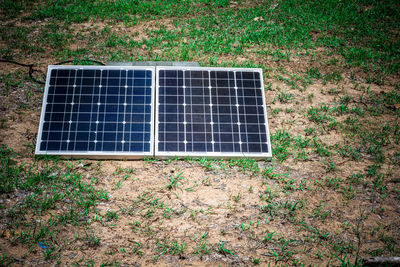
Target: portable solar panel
97,111
217,112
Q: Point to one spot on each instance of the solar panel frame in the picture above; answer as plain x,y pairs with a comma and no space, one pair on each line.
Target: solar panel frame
97,154
169,154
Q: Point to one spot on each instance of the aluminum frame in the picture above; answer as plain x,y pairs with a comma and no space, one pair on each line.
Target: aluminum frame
165,154
98,154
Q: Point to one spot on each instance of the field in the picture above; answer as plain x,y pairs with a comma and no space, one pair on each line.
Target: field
330,194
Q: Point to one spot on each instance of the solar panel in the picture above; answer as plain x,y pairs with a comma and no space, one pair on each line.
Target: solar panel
97,111
211,112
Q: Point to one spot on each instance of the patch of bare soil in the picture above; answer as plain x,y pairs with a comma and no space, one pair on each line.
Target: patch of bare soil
20,132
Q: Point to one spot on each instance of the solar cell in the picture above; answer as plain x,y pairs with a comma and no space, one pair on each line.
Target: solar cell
97,110
211,112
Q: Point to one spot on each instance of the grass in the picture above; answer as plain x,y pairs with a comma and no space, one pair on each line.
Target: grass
224,251
49,187
331,28
173,248
331,80
174,181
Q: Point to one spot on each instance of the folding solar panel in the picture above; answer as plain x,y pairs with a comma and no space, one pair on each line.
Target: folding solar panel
217,112
97,111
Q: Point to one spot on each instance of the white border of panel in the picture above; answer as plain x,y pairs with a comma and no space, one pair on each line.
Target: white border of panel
163,154
97,154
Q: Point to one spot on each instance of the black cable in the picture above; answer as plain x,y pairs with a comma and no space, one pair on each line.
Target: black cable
32,70
17,63
30,66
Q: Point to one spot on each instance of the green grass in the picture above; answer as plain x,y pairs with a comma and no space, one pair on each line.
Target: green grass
285,97
223,250
353,29
173,248
48,189
92,240
175,181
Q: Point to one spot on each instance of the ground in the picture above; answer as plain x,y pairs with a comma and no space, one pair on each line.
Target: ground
328,196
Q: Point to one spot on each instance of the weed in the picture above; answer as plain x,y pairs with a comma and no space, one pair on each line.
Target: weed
330,165
245,164
236,198
92,240
314,73
350,152
332,77
6,260
285,97
173,248
357,178
320,115
269,236
268,87
111,215
310,130
9,170
281,141
174,181
224,251
321,212
137,249
203,247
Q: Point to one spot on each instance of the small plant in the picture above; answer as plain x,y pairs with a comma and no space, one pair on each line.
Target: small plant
285,97
310,131
320,114
251,190
137,249
334,76
282,141
268,87
269,236
356,178
202,248
3,123
135,226
173,248
237,198
221,249
321,212
330,165
92,240
111,215
314,73
174,181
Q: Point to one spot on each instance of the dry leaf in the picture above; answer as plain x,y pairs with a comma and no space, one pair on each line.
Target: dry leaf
6,234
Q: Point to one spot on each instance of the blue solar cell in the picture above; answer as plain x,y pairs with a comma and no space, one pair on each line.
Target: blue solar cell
223,112
97,109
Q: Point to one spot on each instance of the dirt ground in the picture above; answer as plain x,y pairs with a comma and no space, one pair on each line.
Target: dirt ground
294,212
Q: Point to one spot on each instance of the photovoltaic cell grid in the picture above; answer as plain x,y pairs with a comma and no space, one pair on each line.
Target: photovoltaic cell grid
97,110
211,112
